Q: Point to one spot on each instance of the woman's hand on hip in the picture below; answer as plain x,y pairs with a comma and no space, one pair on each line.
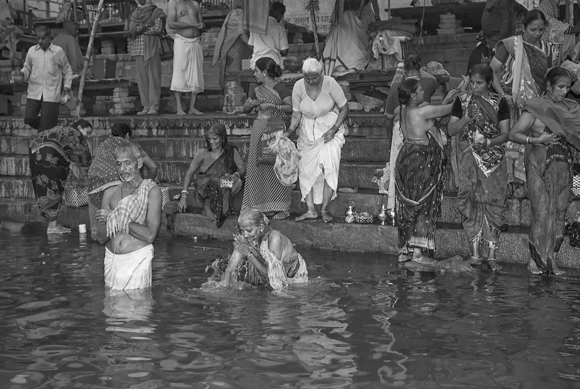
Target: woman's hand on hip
328,135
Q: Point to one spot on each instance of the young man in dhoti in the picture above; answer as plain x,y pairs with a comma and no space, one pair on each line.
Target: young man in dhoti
184,18
129,221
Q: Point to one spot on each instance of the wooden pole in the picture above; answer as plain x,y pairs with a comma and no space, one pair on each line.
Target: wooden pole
313,6
88,56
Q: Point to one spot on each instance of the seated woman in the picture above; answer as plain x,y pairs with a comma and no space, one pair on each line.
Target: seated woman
103,173
269,257
220,170
549,127
418,173
319,109
481,122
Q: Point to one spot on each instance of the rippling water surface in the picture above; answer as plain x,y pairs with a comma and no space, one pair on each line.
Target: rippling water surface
360,323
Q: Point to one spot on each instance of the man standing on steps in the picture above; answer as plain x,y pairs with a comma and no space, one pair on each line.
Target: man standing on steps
146,27
129,221
184,17
274,43
67,40
45,68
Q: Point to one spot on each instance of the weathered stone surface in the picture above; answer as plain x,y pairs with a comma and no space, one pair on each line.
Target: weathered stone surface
14,145
450,240
16,187
14,165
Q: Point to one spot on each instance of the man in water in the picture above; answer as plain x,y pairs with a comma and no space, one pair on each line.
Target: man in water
184,17
129,221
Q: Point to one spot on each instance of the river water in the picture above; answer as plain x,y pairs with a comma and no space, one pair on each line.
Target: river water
360,323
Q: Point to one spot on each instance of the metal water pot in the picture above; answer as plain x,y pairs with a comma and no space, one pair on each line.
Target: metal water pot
382,216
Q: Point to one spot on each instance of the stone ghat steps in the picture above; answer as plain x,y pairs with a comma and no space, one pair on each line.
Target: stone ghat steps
359,123
351,174
355,149
450,238
16,192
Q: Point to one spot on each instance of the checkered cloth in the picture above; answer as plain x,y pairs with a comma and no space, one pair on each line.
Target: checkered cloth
132,208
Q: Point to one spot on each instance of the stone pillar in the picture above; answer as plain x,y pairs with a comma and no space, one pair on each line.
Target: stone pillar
234,97
123,103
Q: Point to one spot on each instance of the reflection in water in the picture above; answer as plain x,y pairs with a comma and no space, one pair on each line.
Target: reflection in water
360,323
131,351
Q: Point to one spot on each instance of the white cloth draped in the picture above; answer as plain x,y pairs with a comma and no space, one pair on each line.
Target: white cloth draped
129,271
187,65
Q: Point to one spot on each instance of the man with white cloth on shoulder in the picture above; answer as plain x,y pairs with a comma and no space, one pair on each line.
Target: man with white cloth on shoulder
129,221
273,44
184,17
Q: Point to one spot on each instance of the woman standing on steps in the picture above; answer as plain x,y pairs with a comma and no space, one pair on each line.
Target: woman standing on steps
550,130
480,120
419,173
271,98
319,109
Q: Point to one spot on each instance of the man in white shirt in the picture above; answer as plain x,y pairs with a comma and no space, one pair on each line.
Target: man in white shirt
45,68
275,43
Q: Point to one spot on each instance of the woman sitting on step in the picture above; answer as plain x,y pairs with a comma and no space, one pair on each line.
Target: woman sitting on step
481,122
220,170
268,257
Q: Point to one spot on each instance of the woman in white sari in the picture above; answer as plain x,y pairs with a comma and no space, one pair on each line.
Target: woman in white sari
319,108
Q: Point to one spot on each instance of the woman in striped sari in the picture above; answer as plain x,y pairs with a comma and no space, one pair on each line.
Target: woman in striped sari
271,98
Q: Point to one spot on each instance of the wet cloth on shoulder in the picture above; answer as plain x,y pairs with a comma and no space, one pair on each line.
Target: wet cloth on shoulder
132,208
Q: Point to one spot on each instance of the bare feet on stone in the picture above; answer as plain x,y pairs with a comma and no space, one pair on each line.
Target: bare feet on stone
58,229
307,215
493,265
533,268
557,271
152,112
423,259
281,215
474,260
144,112
180,112
326,217
193,111
208,213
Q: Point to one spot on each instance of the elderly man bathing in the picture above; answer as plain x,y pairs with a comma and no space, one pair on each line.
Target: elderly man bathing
129,221
184,18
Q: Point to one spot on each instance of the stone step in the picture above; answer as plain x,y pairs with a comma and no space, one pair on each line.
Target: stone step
360,124
450,239
20,210
18,192
16,187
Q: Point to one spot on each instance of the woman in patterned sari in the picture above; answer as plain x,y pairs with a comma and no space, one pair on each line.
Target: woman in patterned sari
271,98
419,173
550,130
520,65
217,162
560,34
51,153
481,120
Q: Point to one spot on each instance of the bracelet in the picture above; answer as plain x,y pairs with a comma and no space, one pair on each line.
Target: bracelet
279,107
184,192
528,140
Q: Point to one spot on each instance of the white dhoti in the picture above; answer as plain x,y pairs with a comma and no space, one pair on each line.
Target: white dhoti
129,271
319,161
187,65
